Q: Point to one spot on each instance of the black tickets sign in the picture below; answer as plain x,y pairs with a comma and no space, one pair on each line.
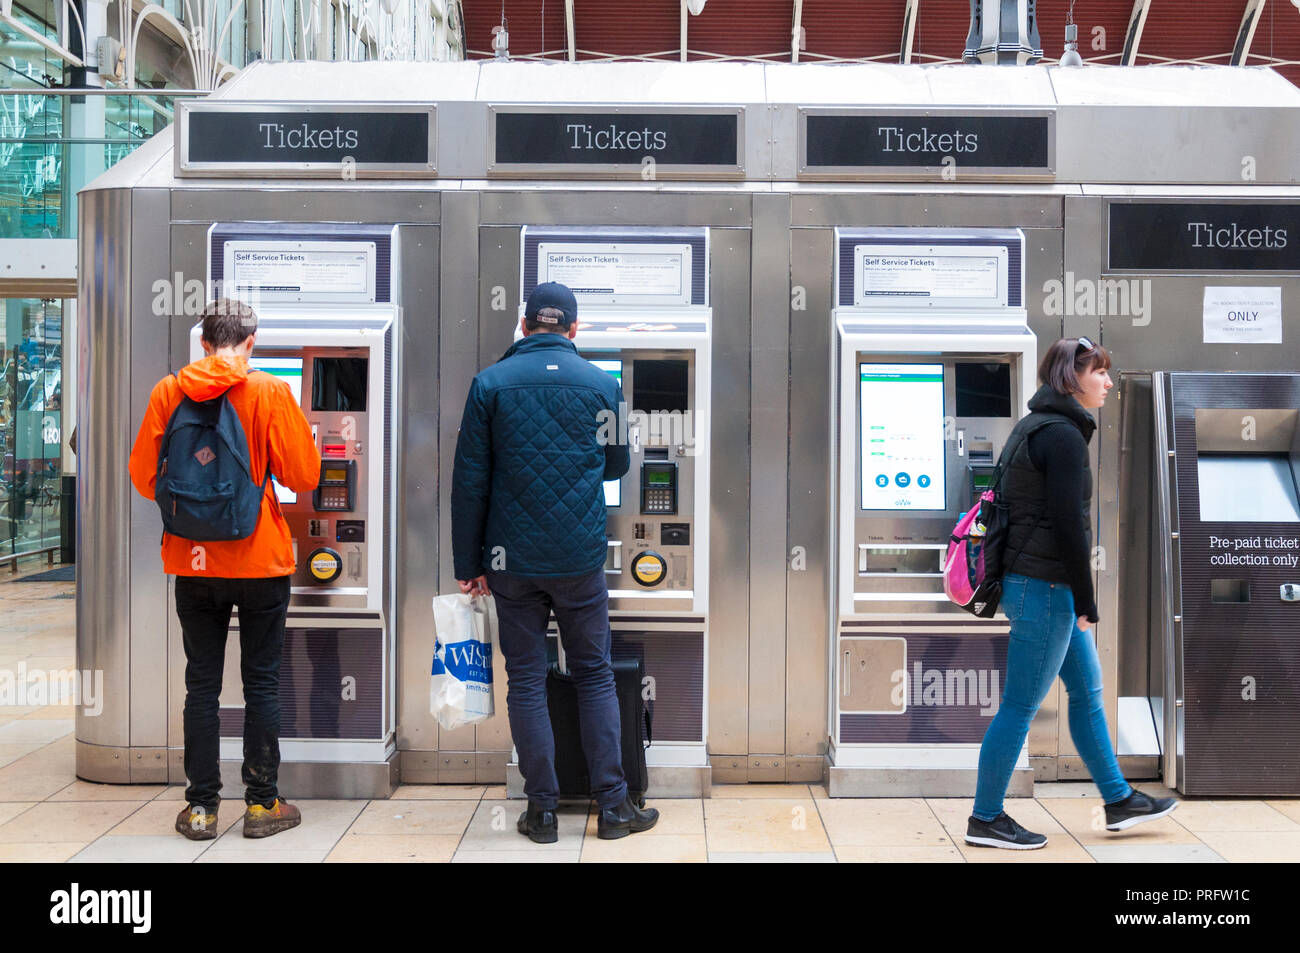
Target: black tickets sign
590,139
1203,236
262,140
1016,144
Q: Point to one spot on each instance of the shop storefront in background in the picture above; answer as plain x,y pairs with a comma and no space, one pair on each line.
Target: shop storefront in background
31,423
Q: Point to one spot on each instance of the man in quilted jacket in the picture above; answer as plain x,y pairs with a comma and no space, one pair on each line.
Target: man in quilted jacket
528,526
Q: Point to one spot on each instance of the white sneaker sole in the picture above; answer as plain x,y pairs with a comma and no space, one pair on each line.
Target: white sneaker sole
1140,819
1005,845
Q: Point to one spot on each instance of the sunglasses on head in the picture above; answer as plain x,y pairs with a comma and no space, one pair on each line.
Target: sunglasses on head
1086,346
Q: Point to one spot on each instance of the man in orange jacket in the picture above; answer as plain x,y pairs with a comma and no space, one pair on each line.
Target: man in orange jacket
251,573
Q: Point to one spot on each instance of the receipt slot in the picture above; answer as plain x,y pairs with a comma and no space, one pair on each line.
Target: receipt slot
1227,467
644,319
321,332
935,364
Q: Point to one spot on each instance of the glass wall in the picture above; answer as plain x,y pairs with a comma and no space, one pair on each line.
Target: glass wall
31,423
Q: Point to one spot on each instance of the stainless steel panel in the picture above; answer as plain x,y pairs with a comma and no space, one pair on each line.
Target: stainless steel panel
769,425
808,579
188,260
415,521
731,503
383,203
975,207
458,361
103,486
1118,143
615,207
149,363
498,303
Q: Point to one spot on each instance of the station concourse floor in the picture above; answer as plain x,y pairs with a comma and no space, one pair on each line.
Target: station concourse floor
46,814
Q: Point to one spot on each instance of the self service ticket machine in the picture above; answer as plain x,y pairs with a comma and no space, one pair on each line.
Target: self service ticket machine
934,364
1227,542
323,333
644,318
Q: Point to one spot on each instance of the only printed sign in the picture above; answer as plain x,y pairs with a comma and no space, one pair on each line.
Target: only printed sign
1242,315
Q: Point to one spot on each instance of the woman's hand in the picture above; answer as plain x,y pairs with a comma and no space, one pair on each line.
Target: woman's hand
1084,624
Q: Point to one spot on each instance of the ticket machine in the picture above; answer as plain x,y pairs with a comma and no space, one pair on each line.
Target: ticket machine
323,332
1226,585
934,364
644,318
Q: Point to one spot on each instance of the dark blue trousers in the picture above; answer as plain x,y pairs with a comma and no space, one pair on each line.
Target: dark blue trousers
581,606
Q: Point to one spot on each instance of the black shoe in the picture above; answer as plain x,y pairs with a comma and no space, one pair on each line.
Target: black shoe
1003,832
626,818
539,824
1135,809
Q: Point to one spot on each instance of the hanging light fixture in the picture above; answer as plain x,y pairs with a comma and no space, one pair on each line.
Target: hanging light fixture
1071,55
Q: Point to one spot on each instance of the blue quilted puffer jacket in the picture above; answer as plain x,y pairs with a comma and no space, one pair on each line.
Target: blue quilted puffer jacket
530,464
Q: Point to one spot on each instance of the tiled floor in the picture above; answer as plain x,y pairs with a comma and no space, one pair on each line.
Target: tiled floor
46,814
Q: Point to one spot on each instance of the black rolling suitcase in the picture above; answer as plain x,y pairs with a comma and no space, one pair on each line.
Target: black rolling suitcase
570,762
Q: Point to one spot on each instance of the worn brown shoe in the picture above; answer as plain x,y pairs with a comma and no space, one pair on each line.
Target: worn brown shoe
196,823
264,821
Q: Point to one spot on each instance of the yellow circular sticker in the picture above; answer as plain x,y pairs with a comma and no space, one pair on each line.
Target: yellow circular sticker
649,569
325,565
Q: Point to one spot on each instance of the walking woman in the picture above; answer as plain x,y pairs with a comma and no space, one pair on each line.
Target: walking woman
1047,594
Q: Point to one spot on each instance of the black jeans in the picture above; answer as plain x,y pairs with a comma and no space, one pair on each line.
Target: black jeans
204,606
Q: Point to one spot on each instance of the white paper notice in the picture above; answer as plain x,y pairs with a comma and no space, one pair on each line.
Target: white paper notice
1242,315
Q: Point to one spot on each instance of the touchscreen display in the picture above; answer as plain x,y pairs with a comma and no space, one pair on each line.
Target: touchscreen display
613,488
289,370
901,435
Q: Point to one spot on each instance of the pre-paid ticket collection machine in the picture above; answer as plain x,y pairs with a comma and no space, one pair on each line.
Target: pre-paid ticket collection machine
1227,538
644,318
326,328
934,363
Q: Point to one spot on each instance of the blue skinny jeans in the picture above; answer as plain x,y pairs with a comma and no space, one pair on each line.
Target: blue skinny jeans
1045,641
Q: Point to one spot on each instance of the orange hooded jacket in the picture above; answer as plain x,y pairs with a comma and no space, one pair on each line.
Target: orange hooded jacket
279,437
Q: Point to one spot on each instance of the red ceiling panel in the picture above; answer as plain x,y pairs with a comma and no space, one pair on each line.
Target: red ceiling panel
627,27
741,28
941,28
525,24
872,29
1191,31
852,29
1110,15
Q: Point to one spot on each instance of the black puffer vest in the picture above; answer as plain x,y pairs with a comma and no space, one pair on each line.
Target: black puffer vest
1024,489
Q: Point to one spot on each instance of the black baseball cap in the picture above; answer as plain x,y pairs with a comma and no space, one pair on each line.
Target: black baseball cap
552,294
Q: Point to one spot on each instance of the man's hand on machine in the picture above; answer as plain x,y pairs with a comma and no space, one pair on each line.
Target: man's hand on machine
475,587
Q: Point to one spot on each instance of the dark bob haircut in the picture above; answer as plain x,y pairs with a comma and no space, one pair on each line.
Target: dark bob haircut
1067,359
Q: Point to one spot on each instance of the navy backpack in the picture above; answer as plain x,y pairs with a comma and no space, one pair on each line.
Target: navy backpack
205,487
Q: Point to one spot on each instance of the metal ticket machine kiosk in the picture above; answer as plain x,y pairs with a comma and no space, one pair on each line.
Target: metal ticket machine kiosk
644,317
934,363
327,331
1227,525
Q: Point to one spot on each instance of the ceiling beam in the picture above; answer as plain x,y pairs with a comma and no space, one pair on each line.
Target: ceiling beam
911,8
1133,35
1250,18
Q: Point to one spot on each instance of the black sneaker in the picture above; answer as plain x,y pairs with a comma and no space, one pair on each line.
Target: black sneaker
1135,809
539,825
1003,832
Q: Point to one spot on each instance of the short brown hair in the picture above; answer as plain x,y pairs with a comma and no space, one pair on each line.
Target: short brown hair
1066,360
227,322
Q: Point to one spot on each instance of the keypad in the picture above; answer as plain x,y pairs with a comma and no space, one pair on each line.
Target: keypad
333,498
659,500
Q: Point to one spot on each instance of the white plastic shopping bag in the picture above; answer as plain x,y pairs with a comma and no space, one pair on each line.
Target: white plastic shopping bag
460,691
